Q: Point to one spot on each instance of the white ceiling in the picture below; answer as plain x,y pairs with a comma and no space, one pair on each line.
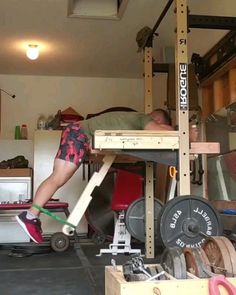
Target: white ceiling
93,47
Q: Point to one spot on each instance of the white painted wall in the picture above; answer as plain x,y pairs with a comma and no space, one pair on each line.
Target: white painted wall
37,95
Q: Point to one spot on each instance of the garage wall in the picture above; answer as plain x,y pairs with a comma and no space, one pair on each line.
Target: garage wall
37,95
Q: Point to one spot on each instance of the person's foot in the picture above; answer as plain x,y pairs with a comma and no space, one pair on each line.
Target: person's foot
31,226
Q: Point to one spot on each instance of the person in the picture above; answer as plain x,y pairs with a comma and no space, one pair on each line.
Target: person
74,147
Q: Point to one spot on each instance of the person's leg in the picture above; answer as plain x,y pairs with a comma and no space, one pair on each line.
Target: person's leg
72,151
62,172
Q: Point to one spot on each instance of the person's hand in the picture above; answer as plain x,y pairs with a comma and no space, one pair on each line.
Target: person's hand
193,133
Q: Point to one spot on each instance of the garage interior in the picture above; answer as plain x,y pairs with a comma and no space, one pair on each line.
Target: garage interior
146,211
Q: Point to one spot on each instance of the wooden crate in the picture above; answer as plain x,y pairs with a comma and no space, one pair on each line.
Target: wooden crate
115,284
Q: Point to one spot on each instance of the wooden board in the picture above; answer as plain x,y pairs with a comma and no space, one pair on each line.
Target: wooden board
141,140
138,139
205,148
115,284
96,156
221,204
220,72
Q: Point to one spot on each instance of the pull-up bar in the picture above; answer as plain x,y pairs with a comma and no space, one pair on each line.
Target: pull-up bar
162,15
144,36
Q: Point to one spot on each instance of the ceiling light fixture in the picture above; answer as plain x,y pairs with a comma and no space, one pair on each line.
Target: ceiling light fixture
32,51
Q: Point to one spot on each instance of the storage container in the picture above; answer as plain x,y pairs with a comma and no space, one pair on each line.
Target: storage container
14,189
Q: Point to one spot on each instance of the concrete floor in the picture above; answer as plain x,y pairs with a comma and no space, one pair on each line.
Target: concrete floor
76,271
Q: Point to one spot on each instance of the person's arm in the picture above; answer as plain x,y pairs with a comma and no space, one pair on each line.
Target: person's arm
193,133
154,126
193,130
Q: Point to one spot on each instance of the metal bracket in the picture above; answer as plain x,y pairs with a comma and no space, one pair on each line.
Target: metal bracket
160,68
211,22
222,53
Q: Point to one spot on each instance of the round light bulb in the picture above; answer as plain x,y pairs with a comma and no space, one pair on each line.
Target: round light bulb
32,52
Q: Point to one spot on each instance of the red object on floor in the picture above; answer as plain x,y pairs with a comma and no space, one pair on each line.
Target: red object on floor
128,187
220,280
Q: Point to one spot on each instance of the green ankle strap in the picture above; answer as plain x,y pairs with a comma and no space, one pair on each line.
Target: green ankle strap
49,213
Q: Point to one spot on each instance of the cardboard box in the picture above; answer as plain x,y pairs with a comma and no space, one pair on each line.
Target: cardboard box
18,172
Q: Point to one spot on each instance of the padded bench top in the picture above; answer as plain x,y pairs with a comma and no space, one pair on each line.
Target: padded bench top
49,205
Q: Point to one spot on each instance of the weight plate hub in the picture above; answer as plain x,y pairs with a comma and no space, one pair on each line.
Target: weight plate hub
186,221
135,218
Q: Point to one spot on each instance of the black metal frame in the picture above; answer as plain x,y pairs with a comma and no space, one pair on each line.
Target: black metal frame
211,22
159,20
160,68
220,54
223,52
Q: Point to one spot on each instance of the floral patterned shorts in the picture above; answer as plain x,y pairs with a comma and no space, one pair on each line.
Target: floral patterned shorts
74,144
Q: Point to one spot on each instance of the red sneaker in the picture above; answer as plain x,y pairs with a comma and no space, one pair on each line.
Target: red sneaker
31,226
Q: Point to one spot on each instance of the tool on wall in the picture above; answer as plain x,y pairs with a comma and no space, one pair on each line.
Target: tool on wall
197,170
11,95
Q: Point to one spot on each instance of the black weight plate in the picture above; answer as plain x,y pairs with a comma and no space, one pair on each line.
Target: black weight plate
173,262
98,238
99,213
135,218
186,221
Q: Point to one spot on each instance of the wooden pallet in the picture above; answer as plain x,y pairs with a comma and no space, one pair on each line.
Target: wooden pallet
115,284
